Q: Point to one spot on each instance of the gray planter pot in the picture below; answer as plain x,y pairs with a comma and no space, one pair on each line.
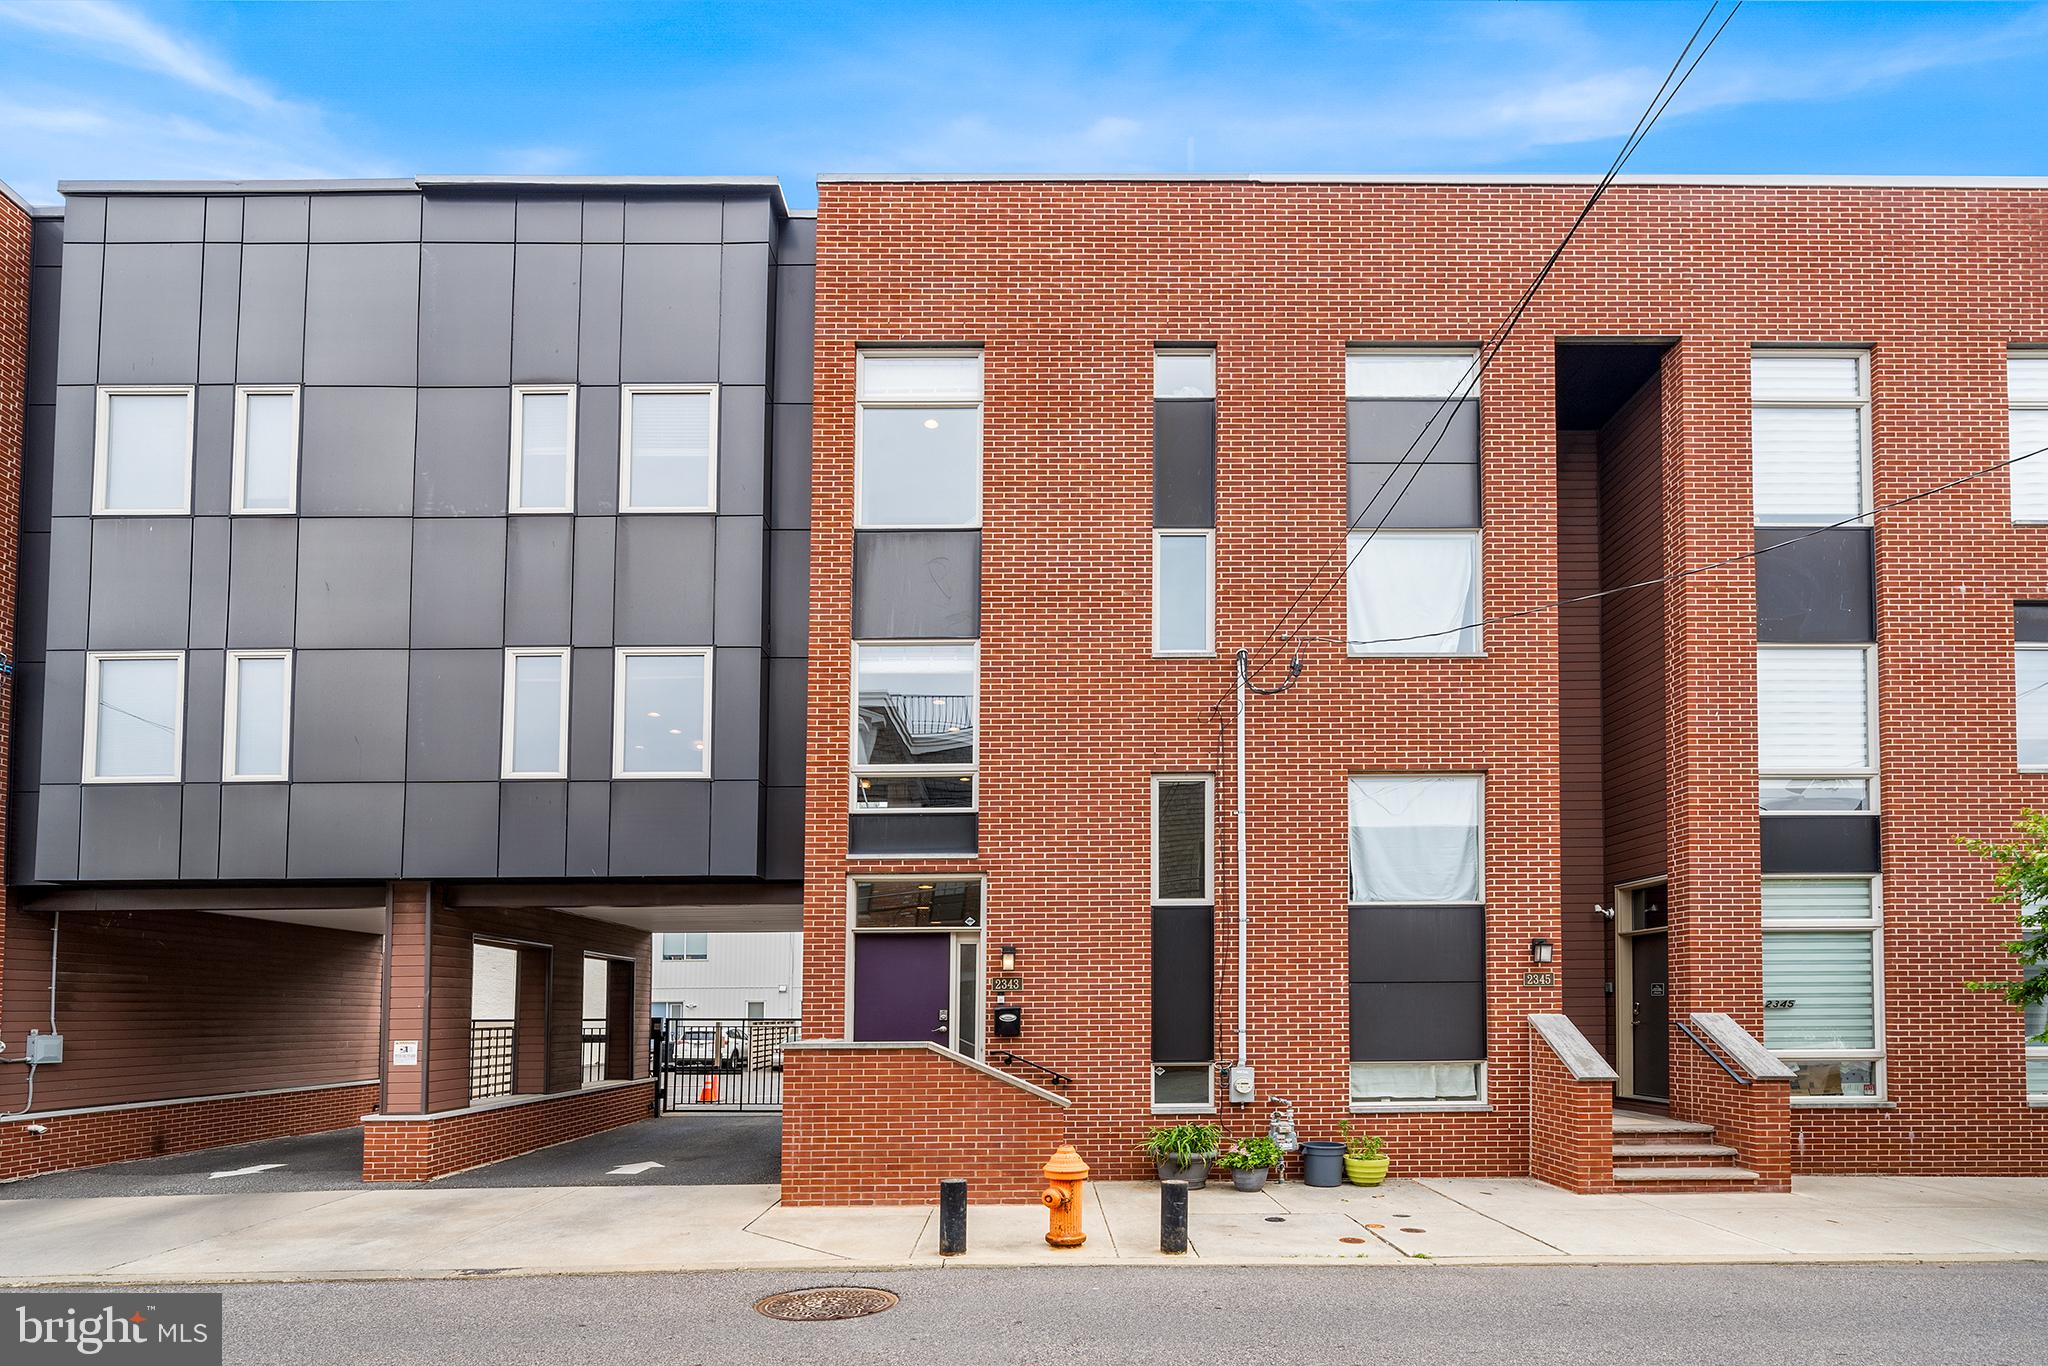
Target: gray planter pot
1249,1178
1322,1163
1195,1171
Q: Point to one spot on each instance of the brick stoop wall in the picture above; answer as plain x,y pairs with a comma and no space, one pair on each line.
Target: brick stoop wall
883,1124
87,1138
1571,1124
422,1147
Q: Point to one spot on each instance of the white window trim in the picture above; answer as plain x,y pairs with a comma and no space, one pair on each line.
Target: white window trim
857,771
1868,460
93,661
238,505
1870,725
2017,646
99,449
231,714
510,713
1470,353
1478,650
1874,926
1208,782
1188,349
627,393
2013,405
1387,1107
619,658
862,403
1480,900
519,395
1208,535
1207,1107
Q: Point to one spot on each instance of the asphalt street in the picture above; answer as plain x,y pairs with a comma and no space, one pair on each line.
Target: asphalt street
1418,1315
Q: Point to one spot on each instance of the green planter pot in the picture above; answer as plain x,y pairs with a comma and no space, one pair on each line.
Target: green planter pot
1365,1171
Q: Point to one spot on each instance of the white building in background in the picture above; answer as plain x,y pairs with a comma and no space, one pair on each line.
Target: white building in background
728,976
494,984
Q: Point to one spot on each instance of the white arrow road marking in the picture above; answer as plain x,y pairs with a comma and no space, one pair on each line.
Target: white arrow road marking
633,1169
247,1171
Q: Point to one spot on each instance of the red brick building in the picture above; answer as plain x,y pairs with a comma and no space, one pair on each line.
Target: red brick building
1077,442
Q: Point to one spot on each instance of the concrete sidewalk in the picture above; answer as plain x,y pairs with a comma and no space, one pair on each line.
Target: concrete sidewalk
437,1232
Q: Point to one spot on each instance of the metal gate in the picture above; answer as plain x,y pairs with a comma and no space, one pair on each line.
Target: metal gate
719,1064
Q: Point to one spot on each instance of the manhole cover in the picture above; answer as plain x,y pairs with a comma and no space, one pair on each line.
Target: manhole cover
826,1302
1276,1219
1414,1230
1351,1240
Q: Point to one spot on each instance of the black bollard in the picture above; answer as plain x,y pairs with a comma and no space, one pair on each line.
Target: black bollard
1173,1216
952,1217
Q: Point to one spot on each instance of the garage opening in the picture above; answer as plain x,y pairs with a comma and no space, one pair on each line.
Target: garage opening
726,1005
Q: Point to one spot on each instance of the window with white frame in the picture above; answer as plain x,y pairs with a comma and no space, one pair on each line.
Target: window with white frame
1183,1087
1823,1003
1816,737
1415,839
142,451
257,733
914,718
266,476
661,713
1418,1083
536,713
2035,1021
1809,435
668,448
134,717
2030,683
1413,593
2026,394
1183,592
1184,500
689,948
918,448
1183,833
544,448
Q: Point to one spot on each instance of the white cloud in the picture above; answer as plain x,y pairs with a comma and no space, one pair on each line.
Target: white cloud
117,33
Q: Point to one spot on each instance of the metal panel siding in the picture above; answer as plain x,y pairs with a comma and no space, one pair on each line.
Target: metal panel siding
57,815
664,580
1417,944
253,820
1184,463
669,292
743,305
1397,430
547,288
597,451
788,681
78,312
85,217
155,218
129,832
789,593
463,464
149,315
348,716
366,218
533,829
213,449
660,828
737,608
604,220
590,714
452,724
938,832
796,289
38,465
735,829
263,560
220,296
1816,590
455,218
742,450
199,832
270,335
589,843
362,313
597,326
796,242
783,833
539,558
141,583
354,581
789,484
1820,844
275,218
451,829
1183,986
32,612
25,745
356,451
458,592
71,452
1414,495
205,705
749,218
916,585
736,699
346,829
674,220
70,581
465,328
63,716
549,220
1417,1021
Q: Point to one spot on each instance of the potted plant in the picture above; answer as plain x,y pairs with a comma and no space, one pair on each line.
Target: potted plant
1182,1152
1250,1162
1365,1157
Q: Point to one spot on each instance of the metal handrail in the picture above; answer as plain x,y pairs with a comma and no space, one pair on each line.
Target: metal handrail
1687,1030
1011,1059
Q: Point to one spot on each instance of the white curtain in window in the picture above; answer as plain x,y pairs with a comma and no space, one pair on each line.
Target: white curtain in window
148,449
1411,374
1415,838
2029,428
1825,981
1808,464
1813,899
1382,1082
1791,376
1414,593
671,455
934,377
1813,710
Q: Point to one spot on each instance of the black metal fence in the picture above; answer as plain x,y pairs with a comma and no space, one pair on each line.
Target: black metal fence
490,1059
720,1064
595,1035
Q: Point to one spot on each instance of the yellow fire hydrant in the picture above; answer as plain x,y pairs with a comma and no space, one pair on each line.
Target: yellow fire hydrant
1064,1173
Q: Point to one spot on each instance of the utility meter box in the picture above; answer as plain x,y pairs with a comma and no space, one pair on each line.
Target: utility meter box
1009,1021
1243,1090
45,1048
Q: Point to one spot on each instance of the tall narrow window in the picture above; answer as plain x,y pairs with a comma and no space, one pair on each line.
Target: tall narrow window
1809,436
668,448
1184,501
1413,582
918,452
661,714
1182,834
544,449
914,727
1183,942
1183,592
1816,744
2030,683
257,733
536,714
1822,1011
2026,394
134,717
142,451
2035,1022
266,450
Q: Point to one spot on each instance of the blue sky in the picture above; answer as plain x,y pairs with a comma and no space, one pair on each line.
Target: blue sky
93,89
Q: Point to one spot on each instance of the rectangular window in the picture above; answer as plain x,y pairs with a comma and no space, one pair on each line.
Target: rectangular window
134,717
544,448
266,450
661,714
1415,838
691,948
1814,722
668,448
1414,593
1809,436
258,729
1183,832
1440,373
914,719
1187,1087
1822,1001
142,451
1184,372
2026,396
896,904
1417,1083
918,450
2030,682
2036,1025
1183,593
536,714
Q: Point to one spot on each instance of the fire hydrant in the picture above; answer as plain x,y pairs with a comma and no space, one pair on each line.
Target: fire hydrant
1064,1172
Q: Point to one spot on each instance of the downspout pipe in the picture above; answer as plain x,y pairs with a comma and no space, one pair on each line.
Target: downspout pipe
1244,665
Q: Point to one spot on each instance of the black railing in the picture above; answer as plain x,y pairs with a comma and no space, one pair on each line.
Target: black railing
1687,1030
490,1059
720,1064
595,1037
1009,1059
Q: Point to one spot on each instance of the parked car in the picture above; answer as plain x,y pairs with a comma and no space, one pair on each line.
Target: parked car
708,1046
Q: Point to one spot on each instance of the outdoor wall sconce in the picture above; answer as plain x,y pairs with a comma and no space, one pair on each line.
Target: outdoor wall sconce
1009,957
1539,952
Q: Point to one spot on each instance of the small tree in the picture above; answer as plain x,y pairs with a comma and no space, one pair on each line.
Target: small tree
2022,880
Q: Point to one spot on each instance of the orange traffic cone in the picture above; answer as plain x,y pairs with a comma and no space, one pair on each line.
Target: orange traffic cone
707,1094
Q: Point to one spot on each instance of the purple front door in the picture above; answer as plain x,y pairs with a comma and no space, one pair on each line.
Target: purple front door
901,987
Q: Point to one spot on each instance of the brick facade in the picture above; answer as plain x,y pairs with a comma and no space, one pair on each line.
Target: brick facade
16,229
1067,288
422,1147
120,1134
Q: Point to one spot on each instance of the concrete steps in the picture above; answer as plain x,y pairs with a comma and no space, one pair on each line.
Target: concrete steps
1656,1152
